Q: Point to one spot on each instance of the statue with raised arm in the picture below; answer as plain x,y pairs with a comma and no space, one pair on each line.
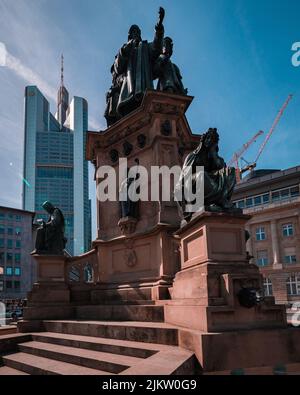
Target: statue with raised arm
135,62
50,239
167,72
219,180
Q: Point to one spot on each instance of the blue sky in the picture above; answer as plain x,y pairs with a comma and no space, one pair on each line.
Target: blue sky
234,55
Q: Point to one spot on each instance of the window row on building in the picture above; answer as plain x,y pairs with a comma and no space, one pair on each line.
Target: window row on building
270,197
10,285
10,243
10,231
287,230
289,257
55,172
11,271
10,217
292,286
10,256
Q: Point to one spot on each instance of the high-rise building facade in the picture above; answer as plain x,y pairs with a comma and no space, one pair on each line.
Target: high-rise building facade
17,269
55,168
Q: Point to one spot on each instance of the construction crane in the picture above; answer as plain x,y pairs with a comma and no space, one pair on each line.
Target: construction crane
251,166
237,155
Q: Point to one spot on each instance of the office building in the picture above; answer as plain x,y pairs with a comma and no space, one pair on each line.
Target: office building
55,168
17,268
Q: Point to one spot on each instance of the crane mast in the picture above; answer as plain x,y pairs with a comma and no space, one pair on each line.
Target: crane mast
275,123
236,156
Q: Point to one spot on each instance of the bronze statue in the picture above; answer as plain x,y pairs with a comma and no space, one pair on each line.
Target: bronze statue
129,207
135,61
168,74
219,180
112,98
50,239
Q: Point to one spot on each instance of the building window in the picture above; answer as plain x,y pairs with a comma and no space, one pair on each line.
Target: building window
17,271
262,258
10,217
1,257
17,258
10,231
1,243
17,285
18,218
241,204
288,230
260,234
290,259
266,198
18,231
9,257
8,284
268,287
2,229
9,243
2,216
275,196
9,271
1,270
295,191
1,286
18,243
257,200
293,285
249,202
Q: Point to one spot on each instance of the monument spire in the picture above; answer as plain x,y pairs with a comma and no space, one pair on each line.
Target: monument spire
62,70
62,96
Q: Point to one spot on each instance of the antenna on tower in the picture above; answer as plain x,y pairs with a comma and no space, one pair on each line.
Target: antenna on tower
62,70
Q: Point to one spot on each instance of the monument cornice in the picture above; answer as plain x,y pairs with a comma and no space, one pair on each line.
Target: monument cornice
154,102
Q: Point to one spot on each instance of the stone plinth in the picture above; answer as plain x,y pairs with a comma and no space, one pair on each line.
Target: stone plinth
214,269
137,267
50,268
50,295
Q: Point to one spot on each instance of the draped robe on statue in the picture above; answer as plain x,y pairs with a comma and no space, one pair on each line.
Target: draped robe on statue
137,68
219,180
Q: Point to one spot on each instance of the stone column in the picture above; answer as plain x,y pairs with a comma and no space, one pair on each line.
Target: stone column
275,245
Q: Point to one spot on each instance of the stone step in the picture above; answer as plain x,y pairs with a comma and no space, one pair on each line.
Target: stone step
121,312
124,347
108,362
148,332
36,365
127,302
7,371
278,370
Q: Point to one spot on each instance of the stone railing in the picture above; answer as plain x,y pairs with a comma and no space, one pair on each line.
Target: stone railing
82,269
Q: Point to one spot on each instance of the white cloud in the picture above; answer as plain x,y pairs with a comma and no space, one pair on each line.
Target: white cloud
29,76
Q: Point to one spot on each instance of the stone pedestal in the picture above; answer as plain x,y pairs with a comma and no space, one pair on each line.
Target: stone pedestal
50,295
138,257
214,269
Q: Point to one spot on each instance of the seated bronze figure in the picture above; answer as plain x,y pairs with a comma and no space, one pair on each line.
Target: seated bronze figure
50,239
219,180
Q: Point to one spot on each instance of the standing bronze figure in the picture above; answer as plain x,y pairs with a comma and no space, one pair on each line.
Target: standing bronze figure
168,74
135,61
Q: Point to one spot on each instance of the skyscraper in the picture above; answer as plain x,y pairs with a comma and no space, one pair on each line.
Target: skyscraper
55,168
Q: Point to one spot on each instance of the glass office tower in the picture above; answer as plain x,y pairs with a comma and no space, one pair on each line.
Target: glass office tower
55,168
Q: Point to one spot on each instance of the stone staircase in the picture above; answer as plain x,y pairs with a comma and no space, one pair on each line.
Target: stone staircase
118,339
129,340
